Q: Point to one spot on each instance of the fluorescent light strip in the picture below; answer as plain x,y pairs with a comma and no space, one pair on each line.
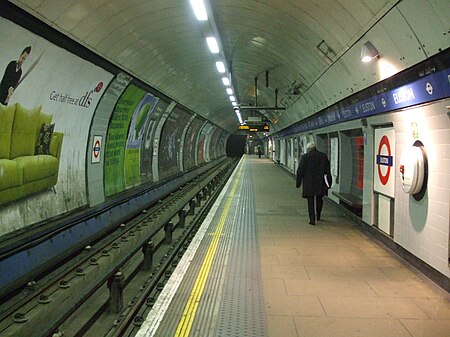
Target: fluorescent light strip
199,9
220,67
212,44
225,81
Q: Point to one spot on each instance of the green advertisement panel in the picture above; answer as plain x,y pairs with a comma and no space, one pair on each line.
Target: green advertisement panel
140,119
124,139
116,140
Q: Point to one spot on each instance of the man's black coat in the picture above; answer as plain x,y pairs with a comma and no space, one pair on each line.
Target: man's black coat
311,170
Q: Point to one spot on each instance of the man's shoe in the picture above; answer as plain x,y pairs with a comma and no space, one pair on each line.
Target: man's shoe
312,223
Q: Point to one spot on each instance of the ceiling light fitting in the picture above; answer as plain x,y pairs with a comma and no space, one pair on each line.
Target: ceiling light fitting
369,52
199,9
212,44
225,81
220,67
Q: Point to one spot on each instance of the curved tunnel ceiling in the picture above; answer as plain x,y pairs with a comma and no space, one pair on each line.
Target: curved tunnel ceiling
162,43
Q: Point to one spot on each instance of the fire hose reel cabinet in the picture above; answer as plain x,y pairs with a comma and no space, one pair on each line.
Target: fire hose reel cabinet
414,170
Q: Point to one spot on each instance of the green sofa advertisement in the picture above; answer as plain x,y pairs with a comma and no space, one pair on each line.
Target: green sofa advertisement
47,99
30,152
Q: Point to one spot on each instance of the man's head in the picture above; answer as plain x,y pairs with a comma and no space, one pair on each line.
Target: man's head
23,56
310,146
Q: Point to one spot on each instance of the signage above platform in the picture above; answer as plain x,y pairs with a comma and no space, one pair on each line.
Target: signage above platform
255,127
433,84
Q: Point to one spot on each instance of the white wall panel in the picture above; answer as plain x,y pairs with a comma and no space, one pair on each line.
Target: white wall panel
429,20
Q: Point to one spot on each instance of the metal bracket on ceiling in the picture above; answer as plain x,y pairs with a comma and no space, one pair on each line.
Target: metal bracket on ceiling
325,52
251,107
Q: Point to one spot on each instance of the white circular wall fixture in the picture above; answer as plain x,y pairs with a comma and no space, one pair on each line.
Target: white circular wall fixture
414,170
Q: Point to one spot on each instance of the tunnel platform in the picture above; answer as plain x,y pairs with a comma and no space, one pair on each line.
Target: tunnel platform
257,268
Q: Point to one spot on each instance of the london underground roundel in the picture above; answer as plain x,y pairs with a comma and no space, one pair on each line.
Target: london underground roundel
384,161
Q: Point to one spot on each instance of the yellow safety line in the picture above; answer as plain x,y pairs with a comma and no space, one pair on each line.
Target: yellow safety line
185,324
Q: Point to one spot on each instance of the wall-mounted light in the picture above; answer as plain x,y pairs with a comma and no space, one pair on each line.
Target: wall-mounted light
369,52
212,44
199,9
220,67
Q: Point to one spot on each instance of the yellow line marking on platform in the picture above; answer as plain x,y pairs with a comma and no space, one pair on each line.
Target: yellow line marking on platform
185,324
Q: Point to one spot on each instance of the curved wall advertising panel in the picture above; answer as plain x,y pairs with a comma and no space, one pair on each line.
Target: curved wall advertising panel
213,153
48,98
129,128
201,143
96,151
223,143
191,143
169,144
147,152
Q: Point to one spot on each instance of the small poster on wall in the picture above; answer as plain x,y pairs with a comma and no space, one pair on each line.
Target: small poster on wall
96,149
334,157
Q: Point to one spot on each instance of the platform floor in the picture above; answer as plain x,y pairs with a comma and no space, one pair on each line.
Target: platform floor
261,270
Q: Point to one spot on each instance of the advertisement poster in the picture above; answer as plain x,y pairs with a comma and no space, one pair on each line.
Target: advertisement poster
334,158
136,133
116,139
191,142
169,147
201,156
223,143
147,141
218,145
47,100
213,148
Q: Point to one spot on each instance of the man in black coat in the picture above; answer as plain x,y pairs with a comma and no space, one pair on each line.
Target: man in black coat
11,77
314,172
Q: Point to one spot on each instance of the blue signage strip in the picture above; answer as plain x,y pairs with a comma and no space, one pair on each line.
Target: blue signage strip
430,88
418,92
385,160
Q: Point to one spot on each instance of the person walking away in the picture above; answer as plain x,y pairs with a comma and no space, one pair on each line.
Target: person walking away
314,172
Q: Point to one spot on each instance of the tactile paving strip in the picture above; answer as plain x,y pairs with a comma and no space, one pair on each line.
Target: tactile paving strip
242,310
231,304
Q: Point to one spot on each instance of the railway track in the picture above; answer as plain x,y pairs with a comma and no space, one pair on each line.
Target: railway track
107,288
